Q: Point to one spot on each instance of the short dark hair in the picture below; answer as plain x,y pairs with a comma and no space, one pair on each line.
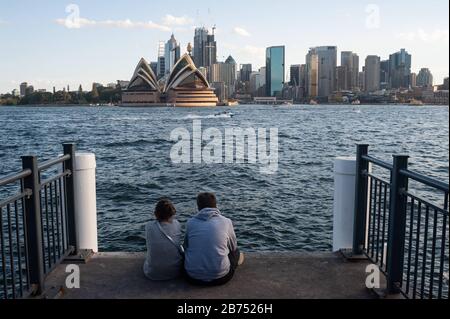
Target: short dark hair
206,200
164,210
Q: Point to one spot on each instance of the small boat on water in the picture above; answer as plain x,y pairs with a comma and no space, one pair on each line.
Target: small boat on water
224,114
415,102
356,102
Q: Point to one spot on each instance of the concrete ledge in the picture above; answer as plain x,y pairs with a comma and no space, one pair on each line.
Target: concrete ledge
263,276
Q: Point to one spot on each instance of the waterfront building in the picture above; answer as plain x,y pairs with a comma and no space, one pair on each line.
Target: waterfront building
154,67
225,72
244,72
23,89
171,54
372,73
425,78
29,90
312,73
445,85
220,91
350,61
342,82
275,70
362,80
413,80
327,67
400,70
143,88
295,75
205,48
384,74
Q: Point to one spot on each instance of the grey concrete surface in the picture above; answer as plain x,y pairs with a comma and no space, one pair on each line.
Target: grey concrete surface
263,276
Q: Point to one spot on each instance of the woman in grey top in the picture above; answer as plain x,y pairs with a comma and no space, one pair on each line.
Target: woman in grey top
164,253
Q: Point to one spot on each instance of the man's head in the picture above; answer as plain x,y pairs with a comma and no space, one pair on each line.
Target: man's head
206,200
164,210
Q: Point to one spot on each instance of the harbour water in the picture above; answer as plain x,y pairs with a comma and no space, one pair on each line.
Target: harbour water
288,211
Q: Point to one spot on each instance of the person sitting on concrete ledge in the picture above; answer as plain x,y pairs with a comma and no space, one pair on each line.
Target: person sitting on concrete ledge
164,251
212,255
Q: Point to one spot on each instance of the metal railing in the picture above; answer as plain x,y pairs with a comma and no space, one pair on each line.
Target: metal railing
405,234
37,223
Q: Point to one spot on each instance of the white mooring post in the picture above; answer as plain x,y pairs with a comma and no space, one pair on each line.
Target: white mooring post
344,202
86,201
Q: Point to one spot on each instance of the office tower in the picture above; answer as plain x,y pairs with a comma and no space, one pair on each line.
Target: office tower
342,82
425,78
295,75
413,80
327,68
275,73
23,89
154,67
362,80
171,54
312,73
350,61
224,72
372,73
245,71
161,61
384,74
400,69
205,48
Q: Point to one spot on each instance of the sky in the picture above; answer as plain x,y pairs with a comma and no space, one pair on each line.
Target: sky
58,43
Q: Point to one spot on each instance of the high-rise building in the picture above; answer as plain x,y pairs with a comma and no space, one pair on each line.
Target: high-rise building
245,72
161,61
312,73
224,72
384,74
342,74
205,48
154,67
372,73
362,80
425,78
350,61
275,72
171,54
413,80
295,75
400,69
327,68
23,89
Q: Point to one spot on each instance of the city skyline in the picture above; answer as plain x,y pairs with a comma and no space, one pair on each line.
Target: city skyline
112,37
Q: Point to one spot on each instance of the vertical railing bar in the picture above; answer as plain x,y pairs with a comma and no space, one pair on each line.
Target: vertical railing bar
11,252
416,262
25,237
384,226
62,210
411,231
425,250
69,149
57,220
374,221
361,192
42,231
433,253
19,248
443,248
47,229
53,222
369,228
379,222
2,246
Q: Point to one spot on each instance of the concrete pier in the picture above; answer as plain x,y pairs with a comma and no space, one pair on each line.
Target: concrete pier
263,276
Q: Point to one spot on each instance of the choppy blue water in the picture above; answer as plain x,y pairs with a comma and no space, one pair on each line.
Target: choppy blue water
291,210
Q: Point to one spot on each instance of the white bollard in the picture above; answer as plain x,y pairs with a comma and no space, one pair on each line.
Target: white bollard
344,202
86,201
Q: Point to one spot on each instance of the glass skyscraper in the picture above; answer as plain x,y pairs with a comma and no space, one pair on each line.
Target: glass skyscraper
275,61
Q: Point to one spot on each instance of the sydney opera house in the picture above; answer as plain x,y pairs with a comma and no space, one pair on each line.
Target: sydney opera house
186,86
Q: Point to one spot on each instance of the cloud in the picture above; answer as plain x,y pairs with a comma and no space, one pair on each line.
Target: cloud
78,23
170,20
241,31
437,35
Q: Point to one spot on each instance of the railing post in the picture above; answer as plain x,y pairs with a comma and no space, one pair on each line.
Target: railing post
69,149
397,224
361,188
33,225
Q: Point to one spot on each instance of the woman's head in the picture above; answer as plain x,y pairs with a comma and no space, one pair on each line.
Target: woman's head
164,210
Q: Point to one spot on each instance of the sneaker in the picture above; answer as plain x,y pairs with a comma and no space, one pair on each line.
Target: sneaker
241,259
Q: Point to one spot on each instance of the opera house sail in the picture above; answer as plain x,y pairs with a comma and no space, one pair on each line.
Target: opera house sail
144,88
186,86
